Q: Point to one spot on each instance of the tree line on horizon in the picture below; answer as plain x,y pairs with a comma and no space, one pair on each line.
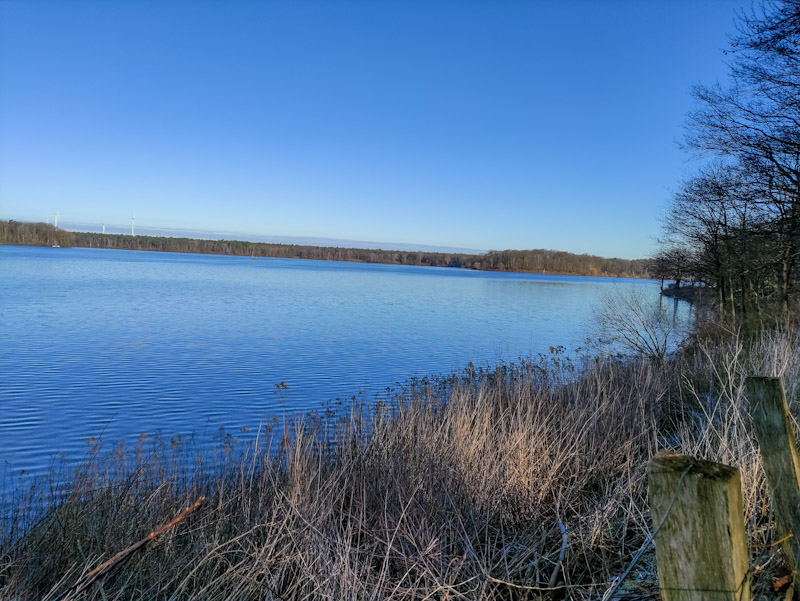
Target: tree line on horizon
527,261
34,234
734,226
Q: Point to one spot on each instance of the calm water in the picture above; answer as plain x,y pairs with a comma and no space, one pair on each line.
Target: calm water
131,342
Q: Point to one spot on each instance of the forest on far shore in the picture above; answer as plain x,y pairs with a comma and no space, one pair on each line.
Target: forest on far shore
526,261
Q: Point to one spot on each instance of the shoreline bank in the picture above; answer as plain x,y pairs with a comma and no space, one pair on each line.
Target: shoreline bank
545,261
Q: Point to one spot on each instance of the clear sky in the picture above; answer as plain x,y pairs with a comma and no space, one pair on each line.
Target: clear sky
485,125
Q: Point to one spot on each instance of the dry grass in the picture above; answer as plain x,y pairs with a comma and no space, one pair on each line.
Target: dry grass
457,489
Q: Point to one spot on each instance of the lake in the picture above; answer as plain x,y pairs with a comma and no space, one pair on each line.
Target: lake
125,342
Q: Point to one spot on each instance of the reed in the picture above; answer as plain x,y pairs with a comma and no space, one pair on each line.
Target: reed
520,481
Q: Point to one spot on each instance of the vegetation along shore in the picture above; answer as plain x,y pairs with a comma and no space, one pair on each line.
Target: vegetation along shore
527,261
512,482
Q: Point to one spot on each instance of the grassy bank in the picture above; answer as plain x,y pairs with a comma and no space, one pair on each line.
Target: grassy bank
503,484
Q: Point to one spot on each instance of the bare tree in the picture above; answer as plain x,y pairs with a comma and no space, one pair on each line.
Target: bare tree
631,323
749,203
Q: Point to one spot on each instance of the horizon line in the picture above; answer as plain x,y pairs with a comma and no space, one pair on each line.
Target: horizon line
325,241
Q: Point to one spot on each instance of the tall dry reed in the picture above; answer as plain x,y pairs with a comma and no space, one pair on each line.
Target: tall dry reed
514,482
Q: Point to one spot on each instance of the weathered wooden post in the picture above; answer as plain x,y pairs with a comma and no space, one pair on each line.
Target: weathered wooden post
776,441
701,544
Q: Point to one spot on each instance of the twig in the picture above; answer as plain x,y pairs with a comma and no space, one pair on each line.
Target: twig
85,581
561,554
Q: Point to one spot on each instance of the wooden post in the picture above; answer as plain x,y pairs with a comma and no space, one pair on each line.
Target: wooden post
776,440
701,544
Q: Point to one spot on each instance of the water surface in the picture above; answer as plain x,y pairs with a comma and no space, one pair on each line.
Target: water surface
125,342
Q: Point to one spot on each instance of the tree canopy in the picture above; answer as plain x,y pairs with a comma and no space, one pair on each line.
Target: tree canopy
737,221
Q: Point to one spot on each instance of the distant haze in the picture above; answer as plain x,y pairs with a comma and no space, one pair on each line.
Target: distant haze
301,240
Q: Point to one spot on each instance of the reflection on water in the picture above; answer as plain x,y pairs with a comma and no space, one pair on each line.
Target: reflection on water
124,342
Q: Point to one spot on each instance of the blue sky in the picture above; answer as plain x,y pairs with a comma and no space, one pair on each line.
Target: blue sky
483,125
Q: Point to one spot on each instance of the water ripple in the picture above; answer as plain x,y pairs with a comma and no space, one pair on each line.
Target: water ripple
123,343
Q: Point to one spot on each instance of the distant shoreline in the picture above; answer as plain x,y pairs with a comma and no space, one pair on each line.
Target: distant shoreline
542,261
